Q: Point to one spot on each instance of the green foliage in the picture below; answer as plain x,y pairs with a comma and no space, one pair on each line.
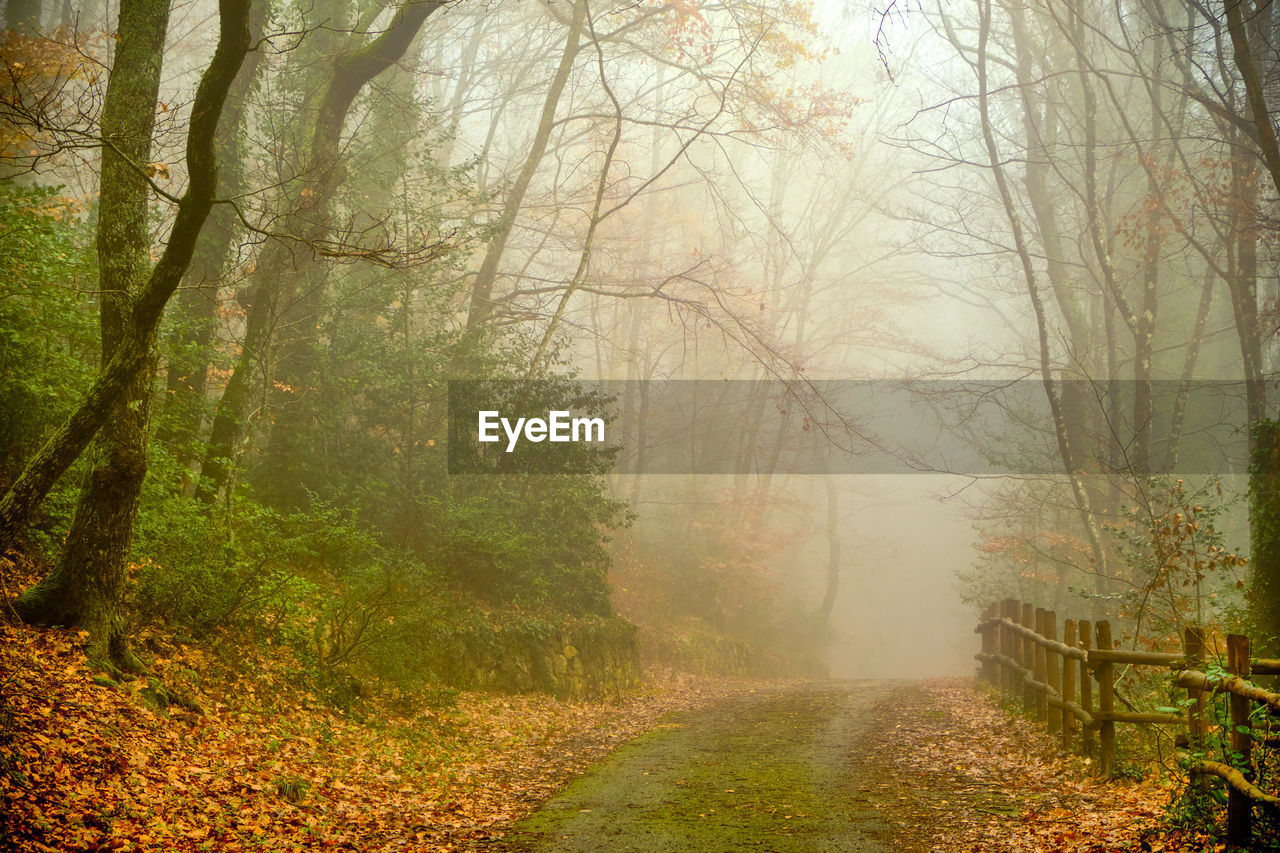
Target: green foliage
1193,809
316,578
533,541
1178,560
1129,770
195,577
292,788
375,411
48,329
469,646
345,536
356,609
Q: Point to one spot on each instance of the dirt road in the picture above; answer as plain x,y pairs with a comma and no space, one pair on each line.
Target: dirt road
823,767
771,771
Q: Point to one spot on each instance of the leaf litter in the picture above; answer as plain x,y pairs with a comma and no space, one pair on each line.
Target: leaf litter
86,765
948,769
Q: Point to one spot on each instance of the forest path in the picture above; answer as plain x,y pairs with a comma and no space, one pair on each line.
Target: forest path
780,770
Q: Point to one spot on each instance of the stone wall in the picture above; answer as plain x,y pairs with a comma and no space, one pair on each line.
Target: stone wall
579,659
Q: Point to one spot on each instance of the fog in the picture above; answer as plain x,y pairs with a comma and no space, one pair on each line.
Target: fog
721,212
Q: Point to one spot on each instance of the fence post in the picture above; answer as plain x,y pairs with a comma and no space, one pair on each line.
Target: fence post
1040,668
1239,810
1197,726
1053,668
1028,656
1068,684
1106,702
1009,610
1086,686
989,671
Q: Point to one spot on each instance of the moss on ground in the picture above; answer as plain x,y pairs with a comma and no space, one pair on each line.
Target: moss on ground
766,773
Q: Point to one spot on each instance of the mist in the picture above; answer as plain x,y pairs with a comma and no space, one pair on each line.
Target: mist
560,348
781,197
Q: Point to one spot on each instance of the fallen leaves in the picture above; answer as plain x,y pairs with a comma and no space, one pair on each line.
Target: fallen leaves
87,766
971,778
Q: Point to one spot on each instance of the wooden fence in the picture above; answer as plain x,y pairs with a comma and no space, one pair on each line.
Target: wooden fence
1069,684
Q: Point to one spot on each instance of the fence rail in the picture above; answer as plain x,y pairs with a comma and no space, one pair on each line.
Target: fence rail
1022,655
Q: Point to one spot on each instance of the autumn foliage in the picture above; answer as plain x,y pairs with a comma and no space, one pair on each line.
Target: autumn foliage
89,764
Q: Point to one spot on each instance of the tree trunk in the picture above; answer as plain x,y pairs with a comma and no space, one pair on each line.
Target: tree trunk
833,552
85,590
86,586
1067,453
1246,62
1264,524
275,281
188,350
482,290
1248,30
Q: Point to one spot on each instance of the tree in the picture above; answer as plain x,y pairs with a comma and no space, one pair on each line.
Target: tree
195,312
86,586
482,289
1264,434
307,229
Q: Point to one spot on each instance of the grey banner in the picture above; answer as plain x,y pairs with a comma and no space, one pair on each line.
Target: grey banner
977,428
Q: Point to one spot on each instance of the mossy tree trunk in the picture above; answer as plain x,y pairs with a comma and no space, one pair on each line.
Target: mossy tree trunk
190,344
86,586
1264,526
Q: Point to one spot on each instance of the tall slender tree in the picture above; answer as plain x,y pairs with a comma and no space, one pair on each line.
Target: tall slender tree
307,229
86,586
